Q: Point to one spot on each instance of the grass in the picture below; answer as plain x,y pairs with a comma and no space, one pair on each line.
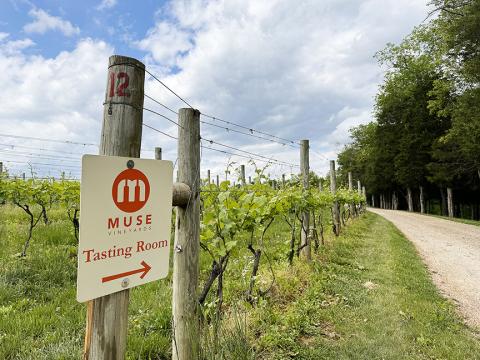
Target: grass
460,220
317,311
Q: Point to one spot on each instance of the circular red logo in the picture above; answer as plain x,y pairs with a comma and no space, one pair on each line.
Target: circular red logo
130,190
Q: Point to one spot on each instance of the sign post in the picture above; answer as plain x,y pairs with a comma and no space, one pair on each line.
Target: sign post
106,332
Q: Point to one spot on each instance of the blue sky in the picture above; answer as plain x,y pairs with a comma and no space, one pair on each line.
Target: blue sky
120,23
296,69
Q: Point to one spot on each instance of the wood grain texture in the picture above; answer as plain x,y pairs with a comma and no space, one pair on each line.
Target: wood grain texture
306,251
333,189
107,316
185,344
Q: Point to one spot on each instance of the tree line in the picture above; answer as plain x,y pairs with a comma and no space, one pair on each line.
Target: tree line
421,152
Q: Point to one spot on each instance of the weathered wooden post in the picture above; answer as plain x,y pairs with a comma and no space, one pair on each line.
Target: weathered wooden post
422,200
242,175
218,180
305,169
208,177
350,187
107,316
450,201
23,176
249,179
1,168
185,344
333,189
283,181
158,153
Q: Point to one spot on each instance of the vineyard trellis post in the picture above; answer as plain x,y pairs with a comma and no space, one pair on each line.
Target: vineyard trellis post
1,168
283,181
158,153
107,316
249,179
333,189
218,180
242,175
185,342
305,169
350,187
208,177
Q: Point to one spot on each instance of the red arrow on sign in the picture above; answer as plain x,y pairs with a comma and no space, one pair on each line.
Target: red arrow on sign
144,270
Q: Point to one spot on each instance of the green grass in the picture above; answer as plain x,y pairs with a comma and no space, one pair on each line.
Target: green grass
317,311
335,316
460,220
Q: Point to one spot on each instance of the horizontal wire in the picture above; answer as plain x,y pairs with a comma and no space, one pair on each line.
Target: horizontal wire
239,155
32,163
214,117
48,140
163,116
250,129
280,162
40,149
164,85
46,156
319,154
159,131
159,103
13,177
247,134
269,160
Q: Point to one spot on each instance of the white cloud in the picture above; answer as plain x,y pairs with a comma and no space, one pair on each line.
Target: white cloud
106,4
165,42
53,98
295,69
301,70
44,22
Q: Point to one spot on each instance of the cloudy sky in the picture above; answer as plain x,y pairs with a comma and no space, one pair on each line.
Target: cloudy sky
298,69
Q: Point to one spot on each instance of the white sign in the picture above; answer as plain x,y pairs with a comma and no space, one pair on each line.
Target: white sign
125,221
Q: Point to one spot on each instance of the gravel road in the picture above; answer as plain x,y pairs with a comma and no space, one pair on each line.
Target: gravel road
451,251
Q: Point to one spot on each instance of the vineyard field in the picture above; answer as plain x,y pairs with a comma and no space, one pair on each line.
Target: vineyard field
318,310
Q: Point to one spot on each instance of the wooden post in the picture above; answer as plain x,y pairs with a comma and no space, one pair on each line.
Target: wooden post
1,168
185,345
249,179
23,176
242,175
158,153
409,199
350,187
333,189
450,201
422,200
283,181
305,168
218,180
107,316
208,177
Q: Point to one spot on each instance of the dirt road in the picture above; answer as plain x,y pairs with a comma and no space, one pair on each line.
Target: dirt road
451,251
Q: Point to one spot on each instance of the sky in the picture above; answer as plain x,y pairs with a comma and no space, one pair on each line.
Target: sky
293,69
